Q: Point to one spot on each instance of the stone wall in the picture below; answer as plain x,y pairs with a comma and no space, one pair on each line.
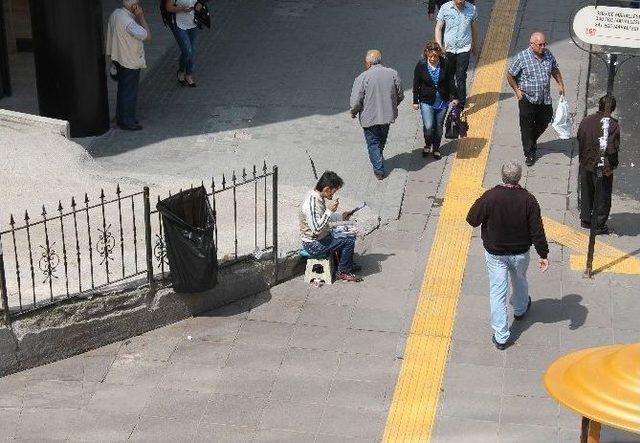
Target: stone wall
79,325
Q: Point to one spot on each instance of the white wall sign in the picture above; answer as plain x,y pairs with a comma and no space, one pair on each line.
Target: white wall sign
608,26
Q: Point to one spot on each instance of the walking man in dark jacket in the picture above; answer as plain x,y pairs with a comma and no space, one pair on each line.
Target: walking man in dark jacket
589,138
511,223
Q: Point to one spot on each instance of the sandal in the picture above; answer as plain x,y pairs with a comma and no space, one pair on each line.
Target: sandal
436,154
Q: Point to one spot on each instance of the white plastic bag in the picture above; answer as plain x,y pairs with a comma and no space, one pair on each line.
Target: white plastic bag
562,120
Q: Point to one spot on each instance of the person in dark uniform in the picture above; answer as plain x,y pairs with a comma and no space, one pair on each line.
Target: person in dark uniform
589,133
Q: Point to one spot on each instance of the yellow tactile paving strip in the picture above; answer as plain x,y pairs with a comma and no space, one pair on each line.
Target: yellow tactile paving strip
606,258
417,392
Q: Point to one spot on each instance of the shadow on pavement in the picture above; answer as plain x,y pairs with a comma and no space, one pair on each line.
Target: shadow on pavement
625,223
371,263
551,310
557,146
474,99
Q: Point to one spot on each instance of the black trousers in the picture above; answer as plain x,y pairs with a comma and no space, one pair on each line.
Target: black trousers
587,196
460,65
534,120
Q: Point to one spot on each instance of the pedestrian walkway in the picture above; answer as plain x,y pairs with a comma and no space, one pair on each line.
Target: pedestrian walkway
337,363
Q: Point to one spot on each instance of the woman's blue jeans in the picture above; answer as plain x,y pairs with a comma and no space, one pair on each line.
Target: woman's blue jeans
186,39
432,124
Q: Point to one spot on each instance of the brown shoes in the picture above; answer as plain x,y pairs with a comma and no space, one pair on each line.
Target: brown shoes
348,277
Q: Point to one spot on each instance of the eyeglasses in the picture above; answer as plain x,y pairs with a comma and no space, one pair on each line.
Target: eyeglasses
542,45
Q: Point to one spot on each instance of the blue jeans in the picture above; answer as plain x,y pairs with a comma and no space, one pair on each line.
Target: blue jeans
376,137
186,39
499,267
344,246
127,97
432,124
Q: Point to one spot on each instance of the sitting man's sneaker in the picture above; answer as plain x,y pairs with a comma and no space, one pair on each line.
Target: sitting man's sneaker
521,316
529,160
347,276
500,346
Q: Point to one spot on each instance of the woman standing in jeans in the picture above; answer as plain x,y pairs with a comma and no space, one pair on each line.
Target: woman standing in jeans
184,30
433,88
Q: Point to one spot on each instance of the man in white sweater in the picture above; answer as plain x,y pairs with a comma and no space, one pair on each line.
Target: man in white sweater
126,32
315,216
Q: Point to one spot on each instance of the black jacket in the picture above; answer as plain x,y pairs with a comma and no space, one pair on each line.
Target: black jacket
589,134
511,221
424,90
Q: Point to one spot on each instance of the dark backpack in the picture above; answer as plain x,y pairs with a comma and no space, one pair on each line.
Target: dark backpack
168,18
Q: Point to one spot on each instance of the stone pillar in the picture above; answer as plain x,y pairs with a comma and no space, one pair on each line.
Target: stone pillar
5,79
70,63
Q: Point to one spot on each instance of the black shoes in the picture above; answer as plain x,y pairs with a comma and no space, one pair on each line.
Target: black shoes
603,230
499,346
521,316
135,127
529,160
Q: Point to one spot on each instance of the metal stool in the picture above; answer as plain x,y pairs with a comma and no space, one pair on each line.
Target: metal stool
318,266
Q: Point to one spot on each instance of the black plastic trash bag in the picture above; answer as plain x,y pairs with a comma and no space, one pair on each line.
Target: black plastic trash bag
188,223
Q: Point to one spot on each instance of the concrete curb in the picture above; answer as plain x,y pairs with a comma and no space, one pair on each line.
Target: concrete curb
67,329
59,127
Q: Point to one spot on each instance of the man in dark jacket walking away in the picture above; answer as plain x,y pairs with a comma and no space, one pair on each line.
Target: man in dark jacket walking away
511,223
589,138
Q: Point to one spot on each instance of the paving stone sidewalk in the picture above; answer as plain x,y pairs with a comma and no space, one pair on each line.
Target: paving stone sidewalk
300,364
494,396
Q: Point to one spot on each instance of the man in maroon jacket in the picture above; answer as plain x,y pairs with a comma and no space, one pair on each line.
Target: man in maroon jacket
511,223
589,134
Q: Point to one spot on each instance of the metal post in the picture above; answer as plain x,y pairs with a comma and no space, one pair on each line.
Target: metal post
3,289
147,238
611,60
274,216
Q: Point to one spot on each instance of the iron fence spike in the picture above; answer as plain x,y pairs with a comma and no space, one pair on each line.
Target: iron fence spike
73,202
86,198
118,189
11,220
26,216
59,205
101,194
44,211
264,166
233,177
244,174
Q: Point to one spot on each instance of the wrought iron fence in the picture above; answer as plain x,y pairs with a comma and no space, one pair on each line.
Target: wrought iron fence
91,245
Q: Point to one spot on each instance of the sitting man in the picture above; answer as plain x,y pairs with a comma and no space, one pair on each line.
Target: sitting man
315,215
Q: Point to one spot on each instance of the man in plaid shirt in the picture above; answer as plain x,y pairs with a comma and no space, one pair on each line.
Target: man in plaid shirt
529,76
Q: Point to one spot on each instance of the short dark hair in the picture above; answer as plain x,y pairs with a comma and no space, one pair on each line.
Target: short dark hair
602,103
329,179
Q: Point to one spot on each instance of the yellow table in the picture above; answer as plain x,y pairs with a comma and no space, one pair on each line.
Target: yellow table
601,384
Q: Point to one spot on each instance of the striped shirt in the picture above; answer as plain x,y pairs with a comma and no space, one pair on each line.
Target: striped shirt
314,217
533,75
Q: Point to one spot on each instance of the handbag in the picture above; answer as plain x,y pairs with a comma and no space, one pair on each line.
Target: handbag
450,127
